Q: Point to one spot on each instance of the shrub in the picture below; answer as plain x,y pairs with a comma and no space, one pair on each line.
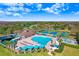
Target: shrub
73,46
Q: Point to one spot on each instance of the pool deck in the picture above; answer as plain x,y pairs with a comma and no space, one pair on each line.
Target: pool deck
26,41
29,41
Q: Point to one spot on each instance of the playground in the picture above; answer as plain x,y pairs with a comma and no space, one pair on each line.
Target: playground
35,41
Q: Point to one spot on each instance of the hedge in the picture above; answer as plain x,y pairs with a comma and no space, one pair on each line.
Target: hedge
73,46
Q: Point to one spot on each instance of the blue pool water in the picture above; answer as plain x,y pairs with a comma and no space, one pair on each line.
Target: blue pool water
43,40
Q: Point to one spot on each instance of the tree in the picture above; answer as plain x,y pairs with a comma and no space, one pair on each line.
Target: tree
77,37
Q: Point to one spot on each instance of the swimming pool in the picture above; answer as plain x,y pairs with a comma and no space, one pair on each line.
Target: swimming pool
43,40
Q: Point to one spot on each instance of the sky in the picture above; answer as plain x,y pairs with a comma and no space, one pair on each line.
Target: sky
39,11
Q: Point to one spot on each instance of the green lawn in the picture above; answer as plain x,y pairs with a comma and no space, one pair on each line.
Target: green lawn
7,52
68,51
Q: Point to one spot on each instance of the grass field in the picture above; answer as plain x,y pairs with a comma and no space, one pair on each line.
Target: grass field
68,51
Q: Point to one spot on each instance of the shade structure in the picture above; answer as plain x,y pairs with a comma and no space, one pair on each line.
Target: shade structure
26,47
54,33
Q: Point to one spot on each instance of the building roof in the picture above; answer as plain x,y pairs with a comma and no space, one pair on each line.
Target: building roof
26,33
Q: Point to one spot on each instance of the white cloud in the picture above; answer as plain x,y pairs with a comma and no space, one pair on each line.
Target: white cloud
64,9
12,9
67,8
56,8
15,9
57,5
27,10
35,5
1,12
17,14
21,8
10,4
4,13
8,13
13,4
39,6
48,10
